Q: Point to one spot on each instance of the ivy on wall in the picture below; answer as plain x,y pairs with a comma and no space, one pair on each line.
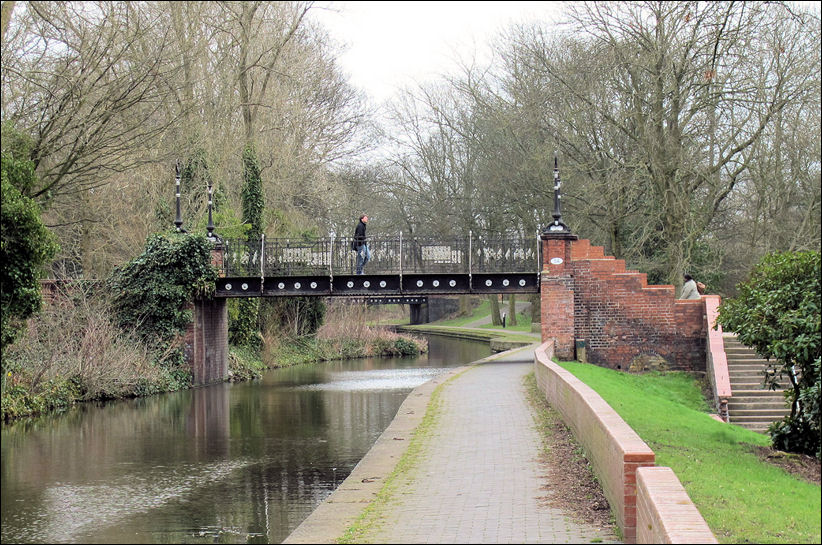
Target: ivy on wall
151,291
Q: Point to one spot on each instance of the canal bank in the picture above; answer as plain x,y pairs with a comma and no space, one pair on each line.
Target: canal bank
459,463
241,462
499,340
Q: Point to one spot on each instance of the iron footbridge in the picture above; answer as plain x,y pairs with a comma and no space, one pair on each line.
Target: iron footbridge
398,267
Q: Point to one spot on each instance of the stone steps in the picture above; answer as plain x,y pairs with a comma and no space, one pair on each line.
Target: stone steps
751,405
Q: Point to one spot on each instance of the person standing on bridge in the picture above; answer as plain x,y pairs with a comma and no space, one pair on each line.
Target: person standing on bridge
360,245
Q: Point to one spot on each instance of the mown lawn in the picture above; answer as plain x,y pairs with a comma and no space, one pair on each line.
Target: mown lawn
743,499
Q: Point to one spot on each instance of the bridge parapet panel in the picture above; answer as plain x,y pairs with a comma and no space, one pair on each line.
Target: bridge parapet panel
280,286
239,287
366,284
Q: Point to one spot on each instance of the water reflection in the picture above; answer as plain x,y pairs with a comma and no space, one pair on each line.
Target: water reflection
228,463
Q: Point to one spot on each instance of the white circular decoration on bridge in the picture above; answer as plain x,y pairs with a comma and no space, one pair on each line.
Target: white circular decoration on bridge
521,281
281,286
488,282
556,261
313,285
505,282
382,283
366,284
350,284
297,285
228,287
452,283
419,283
436,283
244,286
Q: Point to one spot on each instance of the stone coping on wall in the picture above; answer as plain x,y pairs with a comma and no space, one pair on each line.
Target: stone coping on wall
618,454
716,360
665,513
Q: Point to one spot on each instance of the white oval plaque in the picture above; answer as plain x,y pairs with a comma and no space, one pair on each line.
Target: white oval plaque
556,261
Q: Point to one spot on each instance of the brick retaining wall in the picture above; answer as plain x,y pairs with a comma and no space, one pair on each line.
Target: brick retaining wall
628,324
618,456
665,513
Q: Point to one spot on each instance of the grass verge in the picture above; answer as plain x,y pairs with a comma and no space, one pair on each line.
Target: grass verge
478,334
572,486
743,499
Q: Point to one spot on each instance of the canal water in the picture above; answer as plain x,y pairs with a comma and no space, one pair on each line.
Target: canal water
230,463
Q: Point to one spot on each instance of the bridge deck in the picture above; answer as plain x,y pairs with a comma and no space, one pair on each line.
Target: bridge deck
378,284
398,266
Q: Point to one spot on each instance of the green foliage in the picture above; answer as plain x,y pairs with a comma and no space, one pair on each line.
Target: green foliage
244,364
243,325
252,194
406,347
58,394
777,312
26,246
151,291
243,322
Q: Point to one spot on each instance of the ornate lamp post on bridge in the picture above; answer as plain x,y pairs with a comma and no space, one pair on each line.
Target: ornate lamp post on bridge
211,236
178,221
557,226
556,280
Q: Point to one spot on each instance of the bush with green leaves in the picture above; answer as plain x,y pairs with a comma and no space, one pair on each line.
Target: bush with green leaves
152,291
777,312
27,245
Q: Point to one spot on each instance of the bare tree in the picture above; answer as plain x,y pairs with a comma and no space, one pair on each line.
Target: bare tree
695,87
81,80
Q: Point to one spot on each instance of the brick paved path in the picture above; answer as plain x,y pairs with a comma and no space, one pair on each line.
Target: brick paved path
479,478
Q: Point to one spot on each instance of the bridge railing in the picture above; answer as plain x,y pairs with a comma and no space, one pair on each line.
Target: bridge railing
269,257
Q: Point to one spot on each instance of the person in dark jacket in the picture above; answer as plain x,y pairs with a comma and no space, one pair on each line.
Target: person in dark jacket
361,244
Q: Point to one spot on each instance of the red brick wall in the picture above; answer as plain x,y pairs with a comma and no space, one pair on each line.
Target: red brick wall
665,513
614,449
557,308
624,322
206,342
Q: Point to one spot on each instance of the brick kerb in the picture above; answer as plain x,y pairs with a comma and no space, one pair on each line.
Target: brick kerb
662,498
665,513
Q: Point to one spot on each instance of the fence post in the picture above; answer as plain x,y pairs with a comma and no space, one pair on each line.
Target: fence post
470,259
400,260
262,260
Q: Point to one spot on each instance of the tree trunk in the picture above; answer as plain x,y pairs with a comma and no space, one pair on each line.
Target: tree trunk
512,309
495,316
465,305
536,301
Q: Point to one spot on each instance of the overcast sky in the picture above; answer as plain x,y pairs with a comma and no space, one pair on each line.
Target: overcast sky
395,44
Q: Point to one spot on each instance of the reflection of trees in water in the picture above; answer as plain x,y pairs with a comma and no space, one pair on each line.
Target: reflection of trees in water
240,462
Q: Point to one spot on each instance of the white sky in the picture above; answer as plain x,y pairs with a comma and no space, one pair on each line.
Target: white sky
395,44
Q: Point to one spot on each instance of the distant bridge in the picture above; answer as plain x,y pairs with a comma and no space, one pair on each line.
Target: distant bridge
398,266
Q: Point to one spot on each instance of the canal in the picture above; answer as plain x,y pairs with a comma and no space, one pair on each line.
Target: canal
230,463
